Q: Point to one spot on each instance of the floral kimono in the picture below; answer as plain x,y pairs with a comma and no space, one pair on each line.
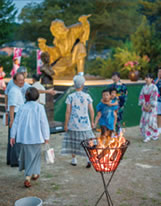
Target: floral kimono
148,122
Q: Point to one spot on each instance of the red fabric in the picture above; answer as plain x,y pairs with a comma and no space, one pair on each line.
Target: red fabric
1,78
147,97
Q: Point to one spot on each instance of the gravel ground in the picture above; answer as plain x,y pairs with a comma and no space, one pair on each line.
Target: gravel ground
137,181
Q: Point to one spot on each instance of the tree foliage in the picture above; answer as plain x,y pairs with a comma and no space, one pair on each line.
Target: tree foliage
152,10
132,28
7,63
146,42
108,19
7,16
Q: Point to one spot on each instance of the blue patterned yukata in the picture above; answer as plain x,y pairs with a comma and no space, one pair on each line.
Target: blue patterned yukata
122,95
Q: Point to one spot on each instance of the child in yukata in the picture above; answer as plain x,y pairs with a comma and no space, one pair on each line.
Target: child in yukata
2,75
107,112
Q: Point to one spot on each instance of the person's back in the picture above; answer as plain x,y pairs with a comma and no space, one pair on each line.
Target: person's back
79,119
77,124
30,128
32,113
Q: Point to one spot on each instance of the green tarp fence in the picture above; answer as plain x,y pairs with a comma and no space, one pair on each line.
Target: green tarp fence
132,111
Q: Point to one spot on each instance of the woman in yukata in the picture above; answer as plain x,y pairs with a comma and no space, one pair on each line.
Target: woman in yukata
148,101
77,123
31,129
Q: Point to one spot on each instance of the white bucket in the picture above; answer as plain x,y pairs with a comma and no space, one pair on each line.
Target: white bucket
29,201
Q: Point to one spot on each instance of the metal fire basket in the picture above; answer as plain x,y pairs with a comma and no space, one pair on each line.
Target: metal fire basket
104,160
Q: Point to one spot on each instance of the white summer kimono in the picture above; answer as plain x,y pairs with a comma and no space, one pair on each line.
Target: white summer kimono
148,122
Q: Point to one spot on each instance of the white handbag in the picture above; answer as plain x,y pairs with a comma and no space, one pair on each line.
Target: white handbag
49,155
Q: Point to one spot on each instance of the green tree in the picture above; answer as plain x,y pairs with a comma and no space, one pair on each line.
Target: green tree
111,20
147,42
142,38
30,63
152,10
7,63
7,17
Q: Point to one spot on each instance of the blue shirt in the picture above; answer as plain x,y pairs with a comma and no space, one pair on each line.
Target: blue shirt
107,115
30,124
15,98
23,89
9,86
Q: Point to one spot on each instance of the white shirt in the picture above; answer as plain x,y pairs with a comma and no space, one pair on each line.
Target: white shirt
30,124
23,89
15,98
42,97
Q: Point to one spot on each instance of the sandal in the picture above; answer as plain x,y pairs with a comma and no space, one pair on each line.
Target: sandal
35,177
27,184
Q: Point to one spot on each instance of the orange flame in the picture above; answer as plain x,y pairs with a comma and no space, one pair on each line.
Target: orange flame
106,155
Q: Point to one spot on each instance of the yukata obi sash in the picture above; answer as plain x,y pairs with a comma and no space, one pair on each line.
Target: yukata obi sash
147,97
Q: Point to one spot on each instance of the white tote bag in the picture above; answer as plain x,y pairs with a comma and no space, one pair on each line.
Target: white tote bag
49,155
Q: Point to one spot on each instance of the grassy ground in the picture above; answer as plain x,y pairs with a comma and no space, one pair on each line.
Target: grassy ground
137,181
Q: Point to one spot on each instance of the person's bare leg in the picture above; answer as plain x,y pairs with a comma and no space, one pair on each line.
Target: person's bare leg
73,155
74,160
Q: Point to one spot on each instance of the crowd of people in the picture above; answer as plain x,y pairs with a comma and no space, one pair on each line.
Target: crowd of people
78,125
28,124
29,128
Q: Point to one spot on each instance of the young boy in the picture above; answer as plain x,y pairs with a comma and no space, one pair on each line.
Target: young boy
106,112
122,97
114,99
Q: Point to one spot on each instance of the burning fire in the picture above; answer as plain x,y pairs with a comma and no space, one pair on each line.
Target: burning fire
106,152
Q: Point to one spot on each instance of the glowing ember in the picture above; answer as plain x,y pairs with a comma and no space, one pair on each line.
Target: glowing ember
106,152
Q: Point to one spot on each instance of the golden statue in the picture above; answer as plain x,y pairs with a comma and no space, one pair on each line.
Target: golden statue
69,47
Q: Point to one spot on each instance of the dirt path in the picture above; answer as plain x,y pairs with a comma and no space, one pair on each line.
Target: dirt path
137,181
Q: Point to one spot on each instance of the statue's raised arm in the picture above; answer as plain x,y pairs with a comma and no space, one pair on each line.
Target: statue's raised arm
69,47
86,28
52,51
